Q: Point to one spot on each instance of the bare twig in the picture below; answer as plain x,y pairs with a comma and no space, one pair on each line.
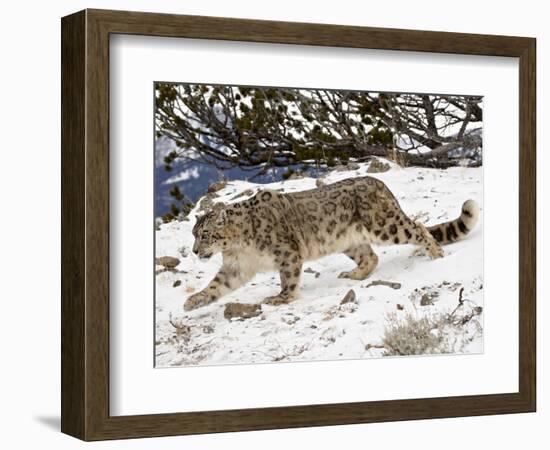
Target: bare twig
390,284
476,310
369,346
180,328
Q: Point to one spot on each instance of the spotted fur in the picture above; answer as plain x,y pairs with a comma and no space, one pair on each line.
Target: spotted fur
457,229
276,231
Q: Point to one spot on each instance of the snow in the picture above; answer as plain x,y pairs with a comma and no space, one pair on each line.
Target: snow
185,175
317,326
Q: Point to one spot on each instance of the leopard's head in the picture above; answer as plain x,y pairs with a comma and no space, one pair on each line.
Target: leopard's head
213,233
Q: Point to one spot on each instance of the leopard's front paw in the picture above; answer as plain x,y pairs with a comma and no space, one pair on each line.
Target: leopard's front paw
197,300
355,274
344,274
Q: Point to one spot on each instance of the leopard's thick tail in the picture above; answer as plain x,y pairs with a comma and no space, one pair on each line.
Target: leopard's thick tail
457,229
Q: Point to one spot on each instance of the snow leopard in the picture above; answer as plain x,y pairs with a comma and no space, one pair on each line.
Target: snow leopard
280,231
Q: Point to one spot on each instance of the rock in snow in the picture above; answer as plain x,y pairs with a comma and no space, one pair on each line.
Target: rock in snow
350,297
242,310
169,262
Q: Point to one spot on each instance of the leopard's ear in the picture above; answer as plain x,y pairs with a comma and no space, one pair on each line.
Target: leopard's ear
221,218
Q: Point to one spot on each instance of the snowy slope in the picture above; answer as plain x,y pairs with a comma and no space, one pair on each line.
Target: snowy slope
316,326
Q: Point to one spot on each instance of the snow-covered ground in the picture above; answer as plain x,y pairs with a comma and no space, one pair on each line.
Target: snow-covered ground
317,326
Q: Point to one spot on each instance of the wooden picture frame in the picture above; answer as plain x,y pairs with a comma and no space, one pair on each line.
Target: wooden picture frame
85,224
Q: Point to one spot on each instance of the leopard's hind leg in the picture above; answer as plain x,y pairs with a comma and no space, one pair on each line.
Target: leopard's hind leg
387,224
366,261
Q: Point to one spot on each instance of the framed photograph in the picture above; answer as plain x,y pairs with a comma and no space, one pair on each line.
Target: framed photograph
273,225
